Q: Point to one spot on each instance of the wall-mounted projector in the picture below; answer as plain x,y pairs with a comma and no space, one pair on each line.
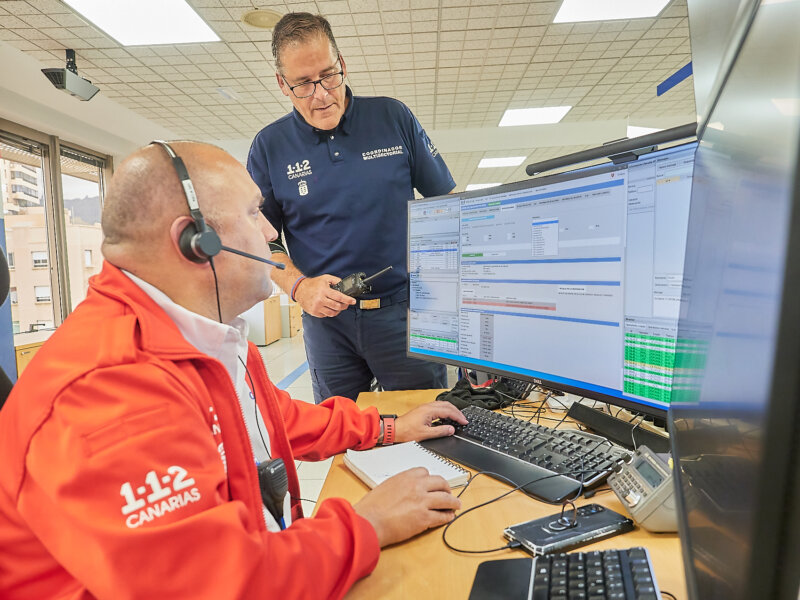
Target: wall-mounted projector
68,79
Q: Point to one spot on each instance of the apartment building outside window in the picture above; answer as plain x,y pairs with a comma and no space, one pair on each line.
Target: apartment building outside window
24,176
39,260
24,189
42,293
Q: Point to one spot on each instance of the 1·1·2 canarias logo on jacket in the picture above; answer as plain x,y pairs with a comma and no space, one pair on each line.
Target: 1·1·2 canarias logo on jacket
168,493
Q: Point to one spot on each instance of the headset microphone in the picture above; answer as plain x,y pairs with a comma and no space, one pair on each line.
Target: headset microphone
198,241
253,256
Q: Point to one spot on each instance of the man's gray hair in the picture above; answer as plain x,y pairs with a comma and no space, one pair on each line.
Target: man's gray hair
299,27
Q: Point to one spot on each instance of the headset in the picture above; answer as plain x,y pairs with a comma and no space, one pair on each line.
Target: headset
198,242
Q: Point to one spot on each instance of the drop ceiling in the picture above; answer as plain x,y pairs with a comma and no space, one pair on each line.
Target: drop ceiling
458,64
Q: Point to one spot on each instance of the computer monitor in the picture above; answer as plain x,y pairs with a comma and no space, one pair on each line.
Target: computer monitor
571,280
735,421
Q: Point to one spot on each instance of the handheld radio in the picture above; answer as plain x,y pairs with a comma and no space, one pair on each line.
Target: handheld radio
274,483
357,284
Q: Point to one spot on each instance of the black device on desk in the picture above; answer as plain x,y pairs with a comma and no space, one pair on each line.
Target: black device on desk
569,529
357,284
550,464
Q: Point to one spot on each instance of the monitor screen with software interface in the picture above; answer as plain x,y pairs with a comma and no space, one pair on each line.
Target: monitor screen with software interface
571,280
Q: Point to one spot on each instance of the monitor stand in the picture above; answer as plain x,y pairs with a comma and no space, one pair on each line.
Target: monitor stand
562,402
628,435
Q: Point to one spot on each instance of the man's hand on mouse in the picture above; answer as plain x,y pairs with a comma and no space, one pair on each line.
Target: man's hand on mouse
421,423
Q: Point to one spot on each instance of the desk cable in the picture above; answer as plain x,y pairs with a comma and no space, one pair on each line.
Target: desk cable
530,409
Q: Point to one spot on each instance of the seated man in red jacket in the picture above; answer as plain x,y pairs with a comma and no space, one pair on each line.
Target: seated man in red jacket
130,443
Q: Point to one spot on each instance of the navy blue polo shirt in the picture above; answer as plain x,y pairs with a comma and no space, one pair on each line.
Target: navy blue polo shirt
340,197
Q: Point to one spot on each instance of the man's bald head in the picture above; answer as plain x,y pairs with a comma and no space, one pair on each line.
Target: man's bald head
146,211
145,194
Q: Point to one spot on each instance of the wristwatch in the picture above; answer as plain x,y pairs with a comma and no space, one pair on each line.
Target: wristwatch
386,437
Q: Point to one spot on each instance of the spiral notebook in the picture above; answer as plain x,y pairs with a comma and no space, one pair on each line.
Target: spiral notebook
377,465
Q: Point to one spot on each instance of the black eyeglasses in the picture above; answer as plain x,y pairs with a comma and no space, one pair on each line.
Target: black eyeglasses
307,88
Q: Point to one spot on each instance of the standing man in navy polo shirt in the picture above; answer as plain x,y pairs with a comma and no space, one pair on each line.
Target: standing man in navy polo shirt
336,175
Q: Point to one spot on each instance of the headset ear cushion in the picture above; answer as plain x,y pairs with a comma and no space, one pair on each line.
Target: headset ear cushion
185,244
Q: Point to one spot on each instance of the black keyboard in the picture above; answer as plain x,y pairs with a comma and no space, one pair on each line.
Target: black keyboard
550,464
607,575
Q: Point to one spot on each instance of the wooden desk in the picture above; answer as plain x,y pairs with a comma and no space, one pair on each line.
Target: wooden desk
424,567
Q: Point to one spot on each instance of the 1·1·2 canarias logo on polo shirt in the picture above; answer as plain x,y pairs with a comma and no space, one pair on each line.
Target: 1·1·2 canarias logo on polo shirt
168,493
298,170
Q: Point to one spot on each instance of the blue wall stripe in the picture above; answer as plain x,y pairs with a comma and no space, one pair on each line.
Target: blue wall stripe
292,377
674,79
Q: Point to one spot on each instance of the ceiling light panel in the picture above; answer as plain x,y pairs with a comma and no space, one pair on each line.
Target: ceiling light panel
533,116
574,11
508,161
146,22
634,131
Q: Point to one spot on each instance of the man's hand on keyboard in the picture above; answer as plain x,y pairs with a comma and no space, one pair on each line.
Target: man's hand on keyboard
418,424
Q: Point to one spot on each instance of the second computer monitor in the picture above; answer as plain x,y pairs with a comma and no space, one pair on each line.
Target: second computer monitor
571,280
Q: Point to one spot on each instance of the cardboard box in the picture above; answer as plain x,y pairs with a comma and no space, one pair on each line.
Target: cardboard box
291,319
264,320
272,320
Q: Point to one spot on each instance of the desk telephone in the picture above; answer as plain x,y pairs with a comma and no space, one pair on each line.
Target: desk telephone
645,487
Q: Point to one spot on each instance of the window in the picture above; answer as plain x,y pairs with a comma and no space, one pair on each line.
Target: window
42,293
29,231
23,176
82,191
24,189
39,260
12,293
49,226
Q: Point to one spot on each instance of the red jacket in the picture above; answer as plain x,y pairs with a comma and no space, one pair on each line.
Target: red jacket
115,444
